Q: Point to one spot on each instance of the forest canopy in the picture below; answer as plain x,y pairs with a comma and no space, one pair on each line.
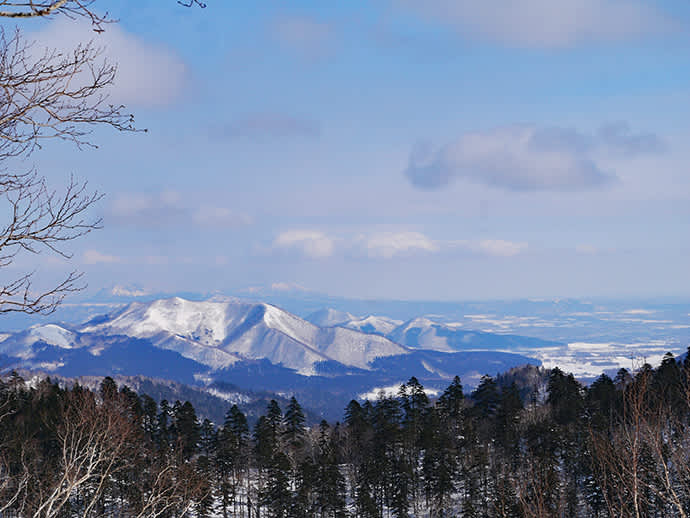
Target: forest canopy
615,448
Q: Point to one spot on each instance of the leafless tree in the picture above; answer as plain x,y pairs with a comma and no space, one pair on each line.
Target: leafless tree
48,94
633,462
175,486
93,440
37,9
98,441
71,8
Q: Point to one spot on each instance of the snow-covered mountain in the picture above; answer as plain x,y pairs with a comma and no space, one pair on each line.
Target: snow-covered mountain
373,324
218,334
427,334
258,346
422,333
19,344
328,317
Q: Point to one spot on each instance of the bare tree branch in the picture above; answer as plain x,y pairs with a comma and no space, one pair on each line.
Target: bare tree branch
40,218
70,8
48,94
53,94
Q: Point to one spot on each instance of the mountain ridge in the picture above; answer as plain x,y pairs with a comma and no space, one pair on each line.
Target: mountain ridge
219,334
255,345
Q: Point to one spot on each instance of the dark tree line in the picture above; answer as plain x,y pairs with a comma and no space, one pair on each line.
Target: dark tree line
617,448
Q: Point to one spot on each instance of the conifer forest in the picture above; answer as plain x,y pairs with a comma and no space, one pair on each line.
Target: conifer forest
530,443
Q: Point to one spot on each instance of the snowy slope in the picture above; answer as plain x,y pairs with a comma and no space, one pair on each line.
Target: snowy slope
373,324
329,317
258,346
20,344
218,333
422,333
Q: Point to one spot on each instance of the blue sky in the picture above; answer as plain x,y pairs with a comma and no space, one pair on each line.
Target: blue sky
444,149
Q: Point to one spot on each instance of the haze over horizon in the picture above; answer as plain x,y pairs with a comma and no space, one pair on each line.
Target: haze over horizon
440,151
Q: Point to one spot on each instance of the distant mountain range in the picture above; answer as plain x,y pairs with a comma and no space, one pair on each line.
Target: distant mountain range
423,333
259,346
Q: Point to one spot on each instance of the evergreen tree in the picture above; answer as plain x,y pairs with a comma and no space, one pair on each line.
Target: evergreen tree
108,388
207,439
265,443
667,383
293,425
622,379
384,451
601,401
165,415
361,458
486,397
149,417
204,505
452,401
293,433
330,483
439,464
231,457
276,497
187,428
507,416
686,363
415,406
274,420
565,397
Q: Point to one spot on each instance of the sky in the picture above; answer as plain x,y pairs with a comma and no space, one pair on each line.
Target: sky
439,150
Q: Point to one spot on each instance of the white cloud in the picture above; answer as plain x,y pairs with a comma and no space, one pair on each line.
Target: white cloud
489,247
311,243
500,247
528,158
390,244
96,257
385,245
148,74
149,210
547,23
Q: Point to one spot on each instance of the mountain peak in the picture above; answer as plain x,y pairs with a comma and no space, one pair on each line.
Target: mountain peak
329,317
241,329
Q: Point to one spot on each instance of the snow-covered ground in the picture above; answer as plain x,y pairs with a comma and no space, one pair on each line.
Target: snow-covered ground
391,390
587,360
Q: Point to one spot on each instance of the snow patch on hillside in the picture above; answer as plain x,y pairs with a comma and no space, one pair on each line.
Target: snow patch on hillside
235,398
330,317
390,391
52,334
373,324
